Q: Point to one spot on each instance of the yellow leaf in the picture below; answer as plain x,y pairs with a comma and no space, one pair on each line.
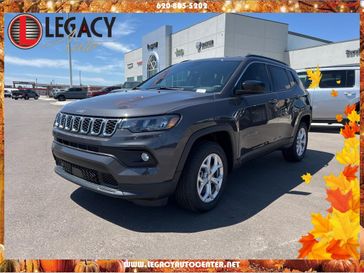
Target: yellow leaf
338,182
315,77
322,225
354,116
334,93
307,178
350,153
318,251
345,225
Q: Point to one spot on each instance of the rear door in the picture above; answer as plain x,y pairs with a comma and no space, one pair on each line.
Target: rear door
285,90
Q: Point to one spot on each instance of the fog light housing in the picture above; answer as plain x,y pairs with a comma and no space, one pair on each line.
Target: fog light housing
145,157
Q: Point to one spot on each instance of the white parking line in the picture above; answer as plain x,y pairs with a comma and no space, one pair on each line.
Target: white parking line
61,102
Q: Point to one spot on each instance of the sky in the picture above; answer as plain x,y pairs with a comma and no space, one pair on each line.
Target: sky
104,64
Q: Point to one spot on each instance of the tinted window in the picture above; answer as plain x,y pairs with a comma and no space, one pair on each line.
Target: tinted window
280,78
332,79
257,72
291,78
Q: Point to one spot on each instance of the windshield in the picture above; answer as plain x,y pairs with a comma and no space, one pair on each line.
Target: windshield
205,76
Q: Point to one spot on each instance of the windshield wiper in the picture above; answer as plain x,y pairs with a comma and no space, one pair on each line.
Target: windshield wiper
166,88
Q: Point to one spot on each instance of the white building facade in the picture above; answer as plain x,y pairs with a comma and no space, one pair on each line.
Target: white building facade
228,35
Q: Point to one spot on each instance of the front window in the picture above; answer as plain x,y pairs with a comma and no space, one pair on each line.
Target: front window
205,76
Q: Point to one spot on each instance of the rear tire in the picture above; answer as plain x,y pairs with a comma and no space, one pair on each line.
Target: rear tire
26,98
61,98
203,178
298,149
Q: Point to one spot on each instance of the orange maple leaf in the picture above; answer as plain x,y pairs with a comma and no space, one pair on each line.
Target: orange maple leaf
307,242
354,126
339,201
350,172
348,131
334,93
342,251
337,252
349,108
339,118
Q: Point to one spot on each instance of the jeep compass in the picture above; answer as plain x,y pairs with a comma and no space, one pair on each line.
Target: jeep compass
183,130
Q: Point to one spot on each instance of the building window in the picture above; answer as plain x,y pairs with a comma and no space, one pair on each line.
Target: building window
139,78
152,66
130,79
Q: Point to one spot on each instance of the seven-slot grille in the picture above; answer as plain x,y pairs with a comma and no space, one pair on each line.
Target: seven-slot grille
86,125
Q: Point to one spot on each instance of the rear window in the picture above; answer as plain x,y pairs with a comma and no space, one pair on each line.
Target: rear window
280,78
332,79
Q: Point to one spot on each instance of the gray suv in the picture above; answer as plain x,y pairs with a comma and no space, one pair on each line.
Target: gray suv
183,130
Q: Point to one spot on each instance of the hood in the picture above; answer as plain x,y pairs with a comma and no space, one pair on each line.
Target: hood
135,103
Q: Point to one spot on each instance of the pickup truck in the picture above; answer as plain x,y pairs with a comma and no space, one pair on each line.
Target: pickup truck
24,94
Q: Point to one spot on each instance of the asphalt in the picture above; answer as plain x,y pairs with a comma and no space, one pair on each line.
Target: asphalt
263,213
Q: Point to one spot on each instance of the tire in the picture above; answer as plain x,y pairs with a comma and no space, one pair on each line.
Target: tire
61,98
294,153
36,98
187,195
26,98
16,98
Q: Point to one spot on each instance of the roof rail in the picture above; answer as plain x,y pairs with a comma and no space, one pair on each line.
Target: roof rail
263,57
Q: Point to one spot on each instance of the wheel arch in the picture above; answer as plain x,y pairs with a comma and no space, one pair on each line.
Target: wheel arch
223,135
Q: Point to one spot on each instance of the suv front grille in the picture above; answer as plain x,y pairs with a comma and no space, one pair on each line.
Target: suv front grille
86,125
87,174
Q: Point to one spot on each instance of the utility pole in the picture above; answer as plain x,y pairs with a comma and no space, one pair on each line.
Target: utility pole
79,74
70,55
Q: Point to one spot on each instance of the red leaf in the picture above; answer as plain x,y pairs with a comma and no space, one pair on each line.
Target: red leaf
348,131
337,252
349,108
338,200
307,242
350,172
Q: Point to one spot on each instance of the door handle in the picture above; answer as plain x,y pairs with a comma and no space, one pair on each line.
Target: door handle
274,101
348,94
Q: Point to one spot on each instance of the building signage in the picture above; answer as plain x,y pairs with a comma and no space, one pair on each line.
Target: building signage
130,66
352,53
203,45
139,62
179,52
152,46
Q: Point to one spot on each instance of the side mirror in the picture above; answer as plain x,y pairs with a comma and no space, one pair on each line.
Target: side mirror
250,87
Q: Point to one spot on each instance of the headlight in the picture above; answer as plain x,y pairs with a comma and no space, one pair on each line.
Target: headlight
149,124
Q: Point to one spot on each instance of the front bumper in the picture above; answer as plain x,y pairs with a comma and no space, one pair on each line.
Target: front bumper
105,174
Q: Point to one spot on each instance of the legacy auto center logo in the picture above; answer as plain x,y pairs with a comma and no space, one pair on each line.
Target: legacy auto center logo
25,30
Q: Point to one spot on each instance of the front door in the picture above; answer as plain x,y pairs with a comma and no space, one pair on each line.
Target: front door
256,111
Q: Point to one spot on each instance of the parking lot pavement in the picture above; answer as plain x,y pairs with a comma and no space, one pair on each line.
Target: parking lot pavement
263,213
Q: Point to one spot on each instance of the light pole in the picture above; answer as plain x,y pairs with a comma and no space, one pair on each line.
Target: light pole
70,56
79,74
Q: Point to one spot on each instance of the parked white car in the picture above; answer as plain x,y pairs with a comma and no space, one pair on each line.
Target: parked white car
345,80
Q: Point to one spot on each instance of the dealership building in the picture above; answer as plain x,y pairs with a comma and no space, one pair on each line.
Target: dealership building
228,35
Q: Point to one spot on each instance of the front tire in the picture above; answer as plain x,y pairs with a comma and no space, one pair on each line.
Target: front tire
298,149
203,178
